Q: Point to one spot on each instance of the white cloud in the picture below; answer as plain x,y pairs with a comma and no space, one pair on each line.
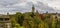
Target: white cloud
54,3
20,5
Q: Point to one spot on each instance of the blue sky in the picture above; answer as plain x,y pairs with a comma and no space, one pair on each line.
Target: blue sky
13,6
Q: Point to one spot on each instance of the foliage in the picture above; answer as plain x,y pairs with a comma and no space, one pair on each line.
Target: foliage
34,20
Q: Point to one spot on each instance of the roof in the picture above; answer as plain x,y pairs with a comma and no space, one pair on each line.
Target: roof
4,16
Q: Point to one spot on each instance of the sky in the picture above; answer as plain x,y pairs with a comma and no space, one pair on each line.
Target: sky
13,6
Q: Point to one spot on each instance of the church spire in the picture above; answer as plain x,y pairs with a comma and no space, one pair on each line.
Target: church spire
33,9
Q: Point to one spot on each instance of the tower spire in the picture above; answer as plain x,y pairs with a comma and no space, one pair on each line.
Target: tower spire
33,9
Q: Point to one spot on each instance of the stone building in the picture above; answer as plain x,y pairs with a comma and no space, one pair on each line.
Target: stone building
5,21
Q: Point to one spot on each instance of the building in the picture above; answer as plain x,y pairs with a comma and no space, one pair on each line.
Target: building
33,8
5,21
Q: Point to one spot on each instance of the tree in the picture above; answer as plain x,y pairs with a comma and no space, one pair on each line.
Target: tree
20,18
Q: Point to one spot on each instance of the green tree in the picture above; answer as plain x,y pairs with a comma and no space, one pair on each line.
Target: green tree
20,18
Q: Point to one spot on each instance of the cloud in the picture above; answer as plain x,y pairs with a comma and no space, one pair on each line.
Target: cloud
53,3
20,4
25,5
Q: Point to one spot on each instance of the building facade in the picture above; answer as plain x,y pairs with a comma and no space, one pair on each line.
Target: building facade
5,21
